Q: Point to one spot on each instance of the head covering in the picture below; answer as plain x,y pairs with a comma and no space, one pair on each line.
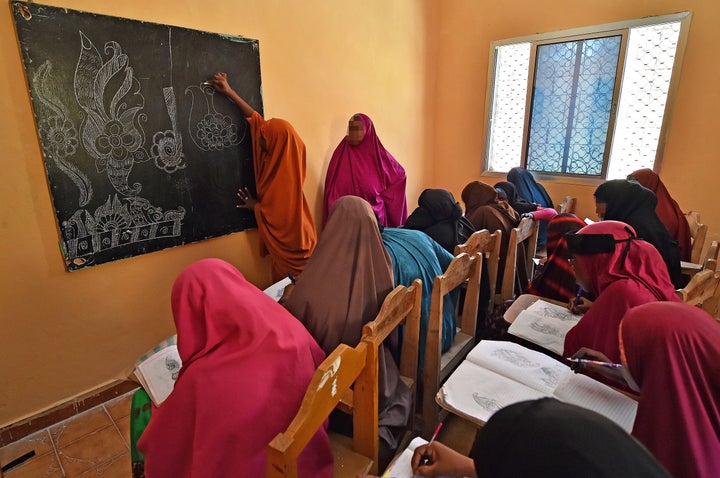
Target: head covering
518,203
485,210
415,255
632,274
369,171
629,202
667,210
285,226
548,438
234,392
441,217
343,288
531,191
672,352
556,280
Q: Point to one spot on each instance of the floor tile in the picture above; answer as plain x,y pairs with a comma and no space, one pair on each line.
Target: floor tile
124,427
45,466
120,407
68,431
119,467
39,441
92,450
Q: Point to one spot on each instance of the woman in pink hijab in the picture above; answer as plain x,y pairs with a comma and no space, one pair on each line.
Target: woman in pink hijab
670,355
361,166
246,363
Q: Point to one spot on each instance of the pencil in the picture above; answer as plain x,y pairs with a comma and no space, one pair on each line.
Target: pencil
425,458
595,362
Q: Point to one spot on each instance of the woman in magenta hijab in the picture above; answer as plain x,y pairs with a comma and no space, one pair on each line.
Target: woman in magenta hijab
623,272
670,355
361,166
246,363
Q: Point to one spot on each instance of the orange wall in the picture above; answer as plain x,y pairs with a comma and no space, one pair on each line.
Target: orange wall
462,31
64,334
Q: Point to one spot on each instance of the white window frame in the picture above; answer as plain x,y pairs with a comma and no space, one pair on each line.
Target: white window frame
684,18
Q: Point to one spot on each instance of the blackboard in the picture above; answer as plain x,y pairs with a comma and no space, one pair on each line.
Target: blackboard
140,155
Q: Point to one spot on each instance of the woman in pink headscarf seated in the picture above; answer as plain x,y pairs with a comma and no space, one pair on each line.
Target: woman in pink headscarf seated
670,355
246,364
361,166
623,272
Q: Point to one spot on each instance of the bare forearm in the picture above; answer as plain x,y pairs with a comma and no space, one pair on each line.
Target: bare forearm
245,108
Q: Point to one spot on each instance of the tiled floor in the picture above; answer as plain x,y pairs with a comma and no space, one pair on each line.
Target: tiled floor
95,443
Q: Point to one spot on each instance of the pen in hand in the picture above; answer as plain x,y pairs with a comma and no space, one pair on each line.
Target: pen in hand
577,297
425,459
595,362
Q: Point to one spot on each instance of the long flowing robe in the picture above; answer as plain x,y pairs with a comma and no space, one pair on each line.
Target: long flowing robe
343,287
672,353
246,364
286,229
369,171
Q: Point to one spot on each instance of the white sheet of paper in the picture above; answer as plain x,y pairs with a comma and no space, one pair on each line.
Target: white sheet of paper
544,324
276,290
159,373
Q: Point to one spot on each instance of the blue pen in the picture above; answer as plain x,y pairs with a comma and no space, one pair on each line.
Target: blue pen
292,278
577,297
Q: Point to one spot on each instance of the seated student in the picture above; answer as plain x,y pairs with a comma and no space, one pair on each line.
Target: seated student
556,279
286,229
361,166
485,210
511,196
533,192
667,210
342,288
670,355
441,217
623,272
234,392
415,255
629,202
543,438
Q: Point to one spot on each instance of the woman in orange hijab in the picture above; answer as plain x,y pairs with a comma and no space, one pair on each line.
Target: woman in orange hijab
285,226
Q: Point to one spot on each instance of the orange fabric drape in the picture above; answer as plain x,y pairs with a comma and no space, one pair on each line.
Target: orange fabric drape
285,225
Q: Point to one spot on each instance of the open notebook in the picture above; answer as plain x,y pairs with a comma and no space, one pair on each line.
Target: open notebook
158,369
496,374
544,324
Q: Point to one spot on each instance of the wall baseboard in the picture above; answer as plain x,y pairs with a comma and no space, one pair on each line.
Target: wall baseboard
23,428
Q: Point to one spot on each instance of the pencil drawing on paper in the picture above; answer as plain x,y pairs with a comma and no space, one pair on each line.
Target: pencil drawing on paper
511,356
546,329
173,366
487,403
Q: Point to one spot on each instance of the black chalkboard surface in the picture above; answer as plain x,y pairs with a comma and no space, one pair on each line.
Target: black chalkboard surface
140,156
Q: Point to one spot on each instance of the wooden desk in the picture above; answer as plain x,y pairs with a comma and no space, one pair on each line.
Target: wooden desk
690,268
523,302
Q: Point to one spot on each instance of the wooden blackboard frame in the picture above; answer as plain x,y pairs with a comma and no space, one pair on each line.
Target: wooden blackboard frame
140,155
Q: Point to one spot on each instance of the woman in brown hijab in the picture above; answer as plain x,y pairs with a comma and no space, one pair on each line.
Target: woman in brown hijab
342,288
485,210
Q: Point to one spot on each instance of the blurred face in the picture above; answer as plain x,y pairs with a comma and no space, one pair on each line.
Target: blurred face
600,208
356,131
580,276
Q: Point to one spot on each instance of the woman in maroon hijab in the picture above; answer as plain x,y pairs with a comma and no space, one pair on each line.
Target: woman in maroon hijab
361,166
246,363
667,210
670,354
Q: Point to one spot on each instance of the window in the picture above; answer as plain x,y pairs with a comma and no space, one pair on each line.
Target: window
591,102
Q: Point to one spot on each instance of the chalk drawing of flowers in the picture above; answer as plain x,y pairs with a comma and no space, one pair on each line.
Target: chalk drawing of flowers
167,151
217,132
60,135
112,215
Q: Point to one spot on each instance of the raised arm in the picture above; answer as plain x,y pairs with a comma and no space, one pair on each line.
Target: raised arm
220,83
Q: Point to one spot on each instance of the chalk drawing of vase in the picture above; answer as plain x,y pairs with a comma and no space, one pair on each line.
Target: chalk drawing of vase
210,130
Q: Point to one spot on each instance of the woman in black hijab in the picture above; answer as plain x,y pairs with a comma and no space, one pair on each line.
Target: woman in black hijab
441,217
544,438
634,204
518,203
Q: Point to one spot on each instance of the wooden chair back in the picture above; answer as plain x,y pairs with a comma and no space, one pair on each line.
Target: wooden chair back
335,375
489,246
700,288
463,269
567,206
711,257
698,242
401,307
711,304
526,232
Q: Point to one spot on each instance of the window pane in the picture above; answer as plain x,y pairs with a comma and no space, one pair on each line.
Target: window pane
645,84
572,99
507,114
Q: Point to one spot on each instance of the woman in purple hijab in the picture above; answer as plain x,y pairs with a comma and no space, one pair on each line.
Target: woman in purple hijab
361,166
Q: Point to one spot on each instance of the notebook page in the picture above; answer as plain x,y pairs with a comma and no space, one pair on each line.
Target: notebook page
476,392
544,324
585,392
159,373
533,369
